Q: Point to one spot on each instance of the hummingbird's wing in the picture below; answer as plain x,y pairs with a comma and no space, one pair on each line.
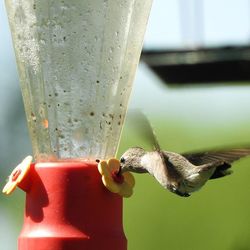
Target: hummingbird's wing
225,157
143,128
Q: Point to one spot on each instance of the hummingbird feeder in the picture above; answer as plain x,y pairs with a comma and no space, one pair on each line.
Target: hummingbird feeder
76,61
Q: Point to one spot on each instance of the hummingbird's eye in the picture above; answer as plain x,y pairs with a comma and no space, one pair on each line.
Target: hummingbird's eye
122,160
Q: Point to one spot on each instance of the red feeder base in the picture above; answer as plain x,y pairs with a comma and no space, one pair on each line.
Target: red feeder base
68,208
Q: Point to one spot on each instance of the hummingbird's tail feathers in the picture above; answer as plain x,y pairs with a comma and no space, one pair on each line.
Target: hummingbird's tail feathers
222,171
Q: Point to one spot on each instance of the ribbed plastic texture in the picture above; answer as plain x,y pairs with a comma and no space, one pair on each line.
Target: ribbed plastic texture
76,60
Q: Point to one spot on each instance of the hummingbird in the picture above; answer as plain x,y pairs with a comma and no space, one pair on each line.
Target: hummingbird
181,174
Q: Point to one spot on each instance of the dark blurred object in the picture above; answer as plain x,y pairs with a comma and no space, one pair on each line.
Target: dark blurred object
219,64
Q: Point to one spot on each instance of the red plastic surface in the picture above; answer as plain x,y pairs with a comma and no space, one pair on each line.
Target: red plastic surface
68,208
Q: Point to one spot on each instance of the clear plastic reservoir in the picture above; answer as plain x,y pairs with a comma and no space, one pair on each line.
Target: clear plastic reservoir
76,60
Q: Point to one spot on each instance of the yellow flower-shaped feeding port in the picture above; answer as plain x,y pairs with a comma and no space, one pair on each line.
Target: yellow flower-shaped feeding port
17,175
114,180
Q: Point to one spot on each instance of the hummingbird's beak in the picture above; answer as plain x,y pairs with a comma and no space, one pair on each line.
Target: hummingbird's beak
120,170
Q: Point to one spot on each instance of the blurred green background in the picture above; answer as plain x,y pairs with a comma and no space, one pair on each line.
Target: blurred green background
186,119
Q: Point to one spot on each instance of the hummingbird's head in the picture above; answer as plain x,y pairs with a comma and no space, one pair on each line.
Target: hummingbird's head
131,160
